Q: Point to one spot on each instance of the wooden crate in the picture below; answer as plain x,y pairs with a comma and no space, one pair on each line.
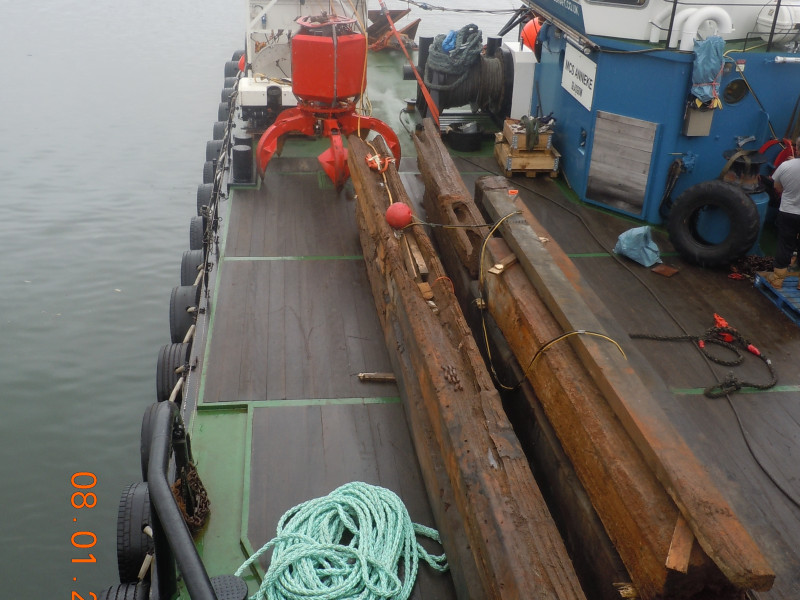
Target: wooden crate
530,163
515,135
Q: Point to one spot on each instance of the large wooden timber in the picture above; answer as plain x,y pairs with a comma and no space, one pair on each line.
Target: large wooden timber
640,517
708,514
456,413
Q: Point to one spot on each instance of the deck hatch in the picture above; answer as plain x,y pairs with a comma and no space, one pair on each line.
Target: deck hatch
620,163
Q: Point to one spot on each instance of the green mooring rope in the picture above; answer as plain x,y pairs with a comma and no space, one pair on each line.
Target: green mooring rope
348,544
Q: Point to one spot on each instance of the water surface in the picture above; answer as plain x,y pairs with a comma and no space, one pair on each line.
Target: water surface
106,110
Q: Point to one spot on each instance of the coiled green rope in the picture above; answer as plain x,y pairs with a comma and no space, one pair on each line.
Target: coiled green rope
348,544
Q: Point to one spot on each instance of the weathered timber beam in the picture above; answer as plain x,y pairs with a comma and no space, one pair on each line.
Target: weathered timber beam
636,511
517,550
710,516
447,199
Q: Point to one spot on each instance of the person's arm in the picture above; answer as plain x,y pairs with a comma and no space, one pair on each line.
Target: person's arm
776,178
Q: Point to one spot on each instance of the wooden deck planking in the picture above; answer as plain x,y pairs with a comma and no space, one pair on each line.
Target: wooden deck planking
294,317
337,445
290,344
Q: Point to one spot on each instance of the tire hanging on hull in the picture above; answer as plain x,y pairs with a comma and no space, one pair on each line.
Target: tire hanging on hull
133,544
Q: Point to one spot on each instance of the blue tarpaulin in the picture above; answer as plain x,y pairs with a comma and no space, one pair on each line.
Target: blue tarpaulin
707,68
637,244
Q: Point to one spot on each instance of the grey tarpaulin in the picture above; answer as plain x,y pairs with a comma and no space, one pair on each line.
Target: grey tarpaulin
637,244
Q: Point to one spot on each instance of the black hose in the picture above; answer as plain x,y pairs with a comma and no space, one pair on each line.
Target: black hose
172,527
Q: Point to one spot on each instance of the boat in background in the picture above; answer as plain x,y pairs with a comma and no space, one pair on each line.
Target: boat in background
673,113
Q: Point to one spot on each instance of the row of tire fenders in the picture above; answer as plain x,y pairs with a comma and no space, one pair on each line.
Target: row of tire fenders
134,533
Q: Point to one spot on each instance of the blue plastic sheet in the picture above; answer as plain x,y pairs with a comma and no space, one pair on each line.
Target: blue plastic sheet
637,244
707,68
449,42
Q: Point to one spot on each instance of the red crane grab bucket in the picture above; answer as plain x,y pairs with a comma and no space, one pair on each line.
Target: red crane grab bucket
328,74
328,61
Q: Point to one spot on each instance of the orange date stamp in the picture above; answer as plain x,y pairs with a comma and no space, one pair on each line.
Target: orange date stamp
83,541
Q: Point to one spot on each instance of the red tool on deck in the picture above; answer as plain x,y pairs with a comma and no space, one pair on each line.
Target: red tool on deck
328,76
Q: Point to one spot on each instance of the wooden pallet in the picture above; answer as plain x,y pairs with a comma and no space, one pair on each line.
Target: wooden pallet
787,298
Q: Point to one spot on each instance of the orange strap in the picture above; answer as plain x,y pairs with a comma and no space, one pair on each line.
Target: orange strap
431,104
379,163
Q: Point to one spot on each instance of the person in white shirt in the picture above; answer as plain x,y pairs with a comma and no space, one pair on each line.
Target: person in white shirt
787,183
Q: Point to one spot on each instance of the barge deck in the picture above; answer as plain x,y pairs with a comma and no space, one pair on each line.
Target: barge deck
291,324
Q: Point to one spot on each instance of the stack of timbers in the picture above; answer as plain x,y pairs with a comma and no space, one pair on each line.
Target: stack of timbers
676,535
517,151
500,539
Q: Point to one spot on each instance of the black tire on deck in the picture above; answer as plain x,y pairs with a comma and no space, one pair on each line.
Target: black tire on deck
170,358
197,230
126,591
182,299
204,191
739,209
133,544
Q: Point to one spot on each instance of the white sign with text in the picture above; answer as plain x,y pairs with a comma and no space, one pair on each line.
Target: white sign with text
578,76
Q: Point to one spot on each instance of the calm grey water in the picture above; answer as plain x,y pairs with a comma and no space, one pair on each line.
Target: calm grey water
106,109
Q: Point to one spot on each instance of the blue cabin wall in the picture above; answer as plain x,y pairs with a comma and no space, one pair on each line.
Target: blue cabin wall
654,87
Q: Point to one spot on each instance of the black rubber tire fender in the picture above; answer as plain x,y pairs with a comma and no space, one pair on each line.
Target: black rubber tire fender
225,96
204,192
218,131
223,111
209,171
133,544
237,55
197,231
230,82
170,357
146,437
740,210
232,68
181,300
190,266
126,591
213,148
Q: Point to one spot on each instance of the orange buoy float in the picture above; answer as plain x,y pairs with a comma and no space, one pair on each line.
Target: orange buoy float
530,32
241,63
398,215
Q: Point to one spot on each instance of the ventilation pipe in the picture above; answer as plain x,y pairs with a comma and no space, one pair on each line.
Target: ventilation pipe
712,13
677,26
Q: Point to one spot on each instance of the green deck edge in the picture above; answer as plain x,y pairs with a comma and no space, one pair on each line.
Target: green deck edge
220,544
213,310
